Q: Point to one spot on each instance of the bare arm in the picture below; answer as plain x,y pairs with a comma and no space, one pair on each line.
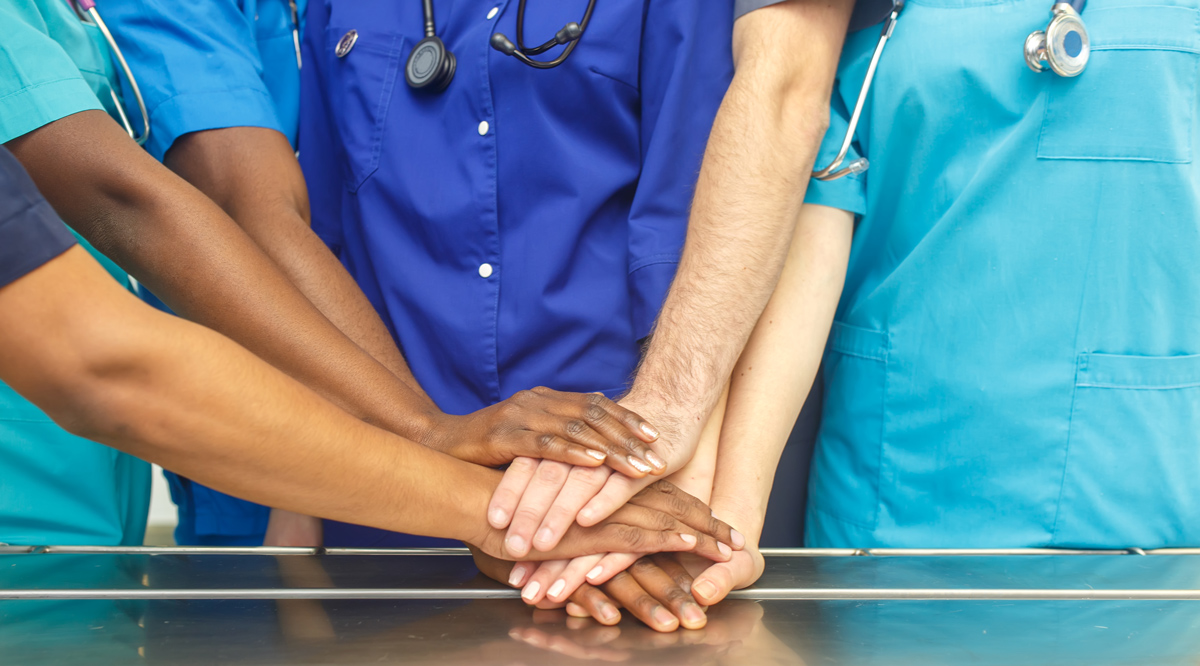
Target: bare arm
752,183
770,383
108,367
253,175
190,254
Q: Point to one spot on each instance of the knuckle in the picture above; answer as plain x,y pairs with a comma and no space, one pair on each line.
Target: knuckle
631,536
632,444
544,443
540,390
597,399
643,565
663,522
594,413
675,595
522,464
575,427
552,473
526,516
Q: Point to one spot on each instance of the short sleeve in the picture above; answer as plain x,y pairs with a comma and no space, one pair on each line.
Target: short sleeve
866,12
197,65
848,192
39,83
30,232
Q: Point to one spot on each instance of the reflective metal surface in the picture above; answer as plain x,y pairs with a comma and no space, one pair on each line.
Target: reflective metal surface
503,631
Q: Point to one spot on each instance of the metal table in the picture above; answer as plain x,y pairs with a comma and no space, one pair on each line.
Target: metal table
66,605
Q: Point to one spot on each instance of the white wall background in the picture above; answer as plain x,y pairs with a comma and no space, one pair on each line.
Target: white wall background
162,510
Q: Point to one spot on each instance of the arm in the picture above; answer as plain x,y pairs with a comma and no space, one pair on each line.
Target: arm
111,369
770,383
752,182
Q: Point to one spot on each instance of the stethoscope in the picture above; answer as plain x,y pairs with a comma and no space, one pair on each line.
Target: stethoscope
431,65
1063,45
89,7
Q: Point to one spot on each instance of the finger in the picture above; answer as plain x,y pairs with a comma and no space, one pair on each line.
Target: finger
609,566
672,567
508,493
595,604
520,573
690,511
655,519
625,590
630,439
539,495
715,583
617,490
625,538
664,587
535,589
548,446
571,577
582,484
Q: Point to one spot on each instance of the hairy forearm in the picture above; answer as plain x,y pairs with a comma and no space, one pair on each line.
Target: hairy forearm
253,175
109,368
776,370
751,186
188,252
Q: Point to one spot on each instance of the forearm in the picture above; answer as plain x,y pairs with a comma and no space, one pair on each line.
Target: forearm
751,186
109,368
253,175
775,372
188,252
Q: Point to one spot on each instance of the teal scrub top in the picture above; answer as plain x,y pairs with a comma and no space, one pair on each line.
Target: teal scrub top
1014,361
56,488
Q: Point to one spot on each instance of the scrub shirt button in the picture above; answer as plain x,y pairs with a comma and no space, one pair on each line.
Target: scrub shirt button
483,128
492,14
485,270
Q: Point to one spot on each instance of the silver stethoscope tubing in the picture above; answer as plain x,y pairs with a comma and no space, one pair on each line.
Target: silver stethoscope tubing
860,165
88,7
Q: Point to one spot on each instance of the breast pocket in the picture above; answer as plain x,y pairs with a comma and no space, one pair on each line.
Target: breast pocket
1132,476
361,84
1136,100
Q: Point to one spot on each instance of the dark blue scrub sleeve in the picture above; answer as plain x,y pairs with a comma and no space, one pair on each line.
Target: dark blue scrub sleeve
30,232
866,12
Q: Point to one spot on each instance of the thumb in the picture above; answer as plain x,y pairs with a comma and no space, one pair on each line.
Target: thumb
716,582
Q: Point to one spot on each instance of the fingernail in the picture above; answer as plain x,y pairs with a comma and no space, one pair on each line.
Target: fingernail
499,518
661,616
738,540
704,589
598,455
649,431
725,550
688,539
609,613
530,591
638,464
595,572
516,545
517,576
654,459
693,614
544,536
557,588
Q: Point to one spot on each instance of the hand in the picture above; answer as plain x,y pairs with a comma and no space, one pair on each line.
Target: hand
293,529
546,498
661,518
585,429
718,580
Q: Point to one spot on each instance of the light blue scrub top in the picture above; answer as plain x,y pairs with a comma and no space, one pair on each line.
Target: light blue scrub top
56,488
201,66
1014,358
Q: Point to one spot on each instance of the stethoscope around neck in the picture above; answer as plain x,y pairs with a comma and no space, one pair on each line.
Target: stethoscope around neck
88,7
1063,47
431,65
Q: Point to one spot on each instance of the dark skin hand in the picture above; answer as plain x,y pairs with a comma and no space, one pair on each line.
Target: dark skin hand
268,282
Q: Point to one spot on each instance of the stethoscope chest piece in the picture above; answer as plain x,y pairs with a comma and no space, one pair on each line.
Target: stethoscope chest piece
1063,45
430,65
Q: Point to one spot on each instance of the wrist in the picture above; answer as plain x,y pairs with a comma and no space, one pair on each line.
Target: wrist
745,518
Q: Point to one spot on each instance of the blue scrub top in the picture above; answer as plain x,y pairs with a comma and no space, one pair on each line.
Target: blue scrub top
202,66
1014,360
520,228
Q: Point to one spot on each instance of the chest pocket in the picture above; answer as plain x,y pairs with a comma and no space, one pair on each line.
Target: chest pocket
1137,98
360,91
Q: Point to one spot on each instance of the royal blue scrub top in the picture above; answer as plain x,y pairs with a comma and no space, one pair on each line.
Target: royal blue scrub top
203,66
1014,361
521,227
